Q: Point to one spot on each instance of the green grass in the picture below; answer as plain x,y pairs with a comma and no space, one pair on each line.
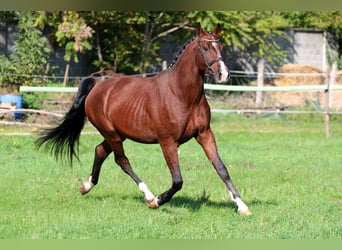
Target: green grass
286,171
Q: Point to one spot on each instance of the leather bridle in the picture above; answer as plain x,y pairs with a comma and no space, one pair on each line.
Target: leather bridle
208,64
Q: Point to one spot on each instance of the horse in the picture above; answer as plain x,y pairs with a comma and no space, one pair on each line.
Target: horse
169,108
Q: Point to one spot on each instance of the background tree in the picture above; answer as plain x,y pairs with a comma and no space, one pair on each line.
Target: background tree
253,31
73,33
128,41
30,57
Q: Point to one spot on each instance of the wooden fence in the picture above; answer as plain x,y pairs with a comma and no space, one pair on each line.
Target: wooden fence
327,87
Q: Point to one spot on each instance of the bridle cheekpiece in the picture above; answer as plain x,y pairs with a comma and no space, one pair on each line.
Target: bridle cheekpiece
208,64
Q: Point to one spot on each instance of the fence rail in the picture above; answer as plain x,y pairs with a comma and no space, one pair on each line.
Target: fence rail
207,86
327,87
48,89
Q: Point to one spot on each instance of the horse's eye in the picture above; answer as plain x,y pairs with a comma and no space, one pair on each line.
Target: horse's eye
205,47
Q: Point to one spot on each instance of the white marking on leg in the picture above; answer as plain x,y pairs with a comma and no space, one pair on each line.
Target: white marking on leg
149,196
242,207
88,184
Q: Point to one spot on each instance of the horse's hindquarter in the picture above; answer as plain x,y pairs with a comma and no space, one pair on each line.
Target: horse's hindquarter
121,105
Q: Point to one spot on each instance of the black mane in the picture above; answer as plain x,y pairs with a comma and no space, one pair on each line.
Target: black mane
181,51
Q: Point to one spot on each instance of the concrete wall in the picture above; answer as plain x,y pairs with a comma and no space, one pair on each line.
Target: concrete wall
313,47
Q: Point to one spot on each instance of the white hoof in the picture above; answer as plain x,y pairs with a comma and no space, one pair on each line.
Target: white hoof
86,186
245,212
152,203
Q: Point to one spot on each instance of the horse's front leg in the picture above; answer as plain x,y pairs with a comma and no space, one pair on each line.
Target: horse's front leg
171,157
207,140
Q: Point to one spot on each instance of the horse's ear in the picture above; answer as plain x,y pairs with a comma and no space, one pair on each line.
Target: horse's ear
199,29
217,29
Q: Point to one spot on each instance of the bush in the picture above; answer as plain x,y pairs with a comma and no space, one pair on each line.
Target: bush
31,101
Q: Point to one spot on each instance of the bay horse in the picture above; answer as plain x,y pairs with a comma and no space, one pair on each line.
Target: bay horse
169,108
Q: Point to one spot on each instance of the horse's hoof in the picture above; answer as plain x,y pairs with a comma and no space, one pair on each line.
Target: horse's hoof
152,203
83,190
86,186
245,212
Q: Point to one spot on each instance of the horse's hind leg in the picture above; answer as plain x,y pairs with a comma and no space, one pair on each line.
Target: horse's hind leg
101,153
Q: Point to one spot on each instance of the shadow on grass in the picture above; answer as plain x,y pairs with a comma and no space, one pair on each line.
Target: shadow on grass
190,203
196,204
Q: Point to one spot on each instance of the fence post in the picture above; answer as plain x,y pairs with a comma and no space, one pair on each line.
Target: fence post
329,98
260,81
164,65
66,74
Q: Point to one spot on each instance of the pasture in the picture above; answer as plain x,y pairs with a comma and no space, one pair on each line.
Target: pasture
286,170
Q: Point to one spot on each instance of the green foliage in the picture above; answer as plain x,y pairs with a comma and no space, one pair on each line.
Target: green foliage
32,101
129,41
335,58
6,16
29,58
248,30
326,20
73,33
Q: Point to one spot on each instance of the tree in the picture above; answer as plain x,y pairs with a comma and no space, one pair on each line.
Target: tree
128,41
248,30
73,33
29,62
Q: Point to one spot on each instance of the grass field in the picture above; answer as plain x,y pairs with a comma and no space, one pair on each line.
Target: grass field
286,171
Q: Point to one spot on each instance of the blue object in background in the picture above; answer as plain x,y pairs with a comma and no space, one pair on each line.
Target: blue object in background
18,99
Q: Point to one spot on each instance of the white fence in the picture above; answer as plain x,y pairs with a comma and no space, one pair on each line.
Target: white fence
327,87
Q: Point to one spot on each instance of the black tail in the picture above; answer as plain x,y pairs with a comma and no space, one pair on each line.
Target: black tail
62,139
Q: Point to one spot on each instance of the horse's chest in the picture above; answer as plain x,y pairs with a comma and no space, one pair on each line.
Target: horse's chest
197,121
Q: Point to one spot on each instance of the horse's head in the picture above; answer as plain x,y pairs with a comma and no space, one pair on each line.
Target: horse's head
209,49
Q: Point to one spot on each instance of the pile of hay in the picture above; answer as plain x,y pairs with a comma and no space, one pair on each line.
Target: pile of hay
298,98
316,78
338,77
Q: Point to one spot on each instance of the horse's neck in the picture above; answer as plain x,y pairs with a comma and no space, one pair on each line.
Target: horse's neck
187,79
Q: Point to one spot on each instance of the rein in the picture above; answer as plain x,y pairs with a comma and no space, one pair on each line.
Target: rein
208,64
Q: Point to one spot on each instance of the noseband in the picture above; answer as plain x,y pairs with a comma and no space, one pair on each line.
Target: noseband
208,64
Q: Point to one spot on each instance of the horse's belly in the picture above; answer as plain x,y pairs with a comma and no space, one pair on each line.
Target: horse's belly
142,136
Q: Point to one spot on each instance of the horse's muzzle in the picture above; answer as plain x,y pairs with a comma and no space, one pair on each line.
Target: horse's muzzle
222,74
